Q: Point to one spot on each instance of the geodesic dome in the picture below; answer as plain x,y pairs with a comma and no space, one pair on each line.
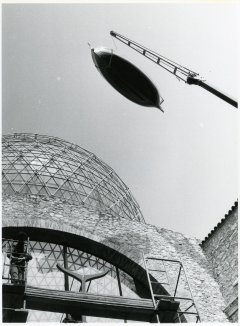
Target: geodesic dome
47,166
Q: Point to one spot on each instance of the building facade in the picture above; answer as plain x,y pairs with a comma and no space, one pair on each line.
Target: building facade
221,250
94,258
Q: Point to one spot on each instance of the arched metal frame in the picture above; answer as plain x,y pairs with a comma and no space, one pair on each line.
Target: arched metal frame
42,271
50,167
100,250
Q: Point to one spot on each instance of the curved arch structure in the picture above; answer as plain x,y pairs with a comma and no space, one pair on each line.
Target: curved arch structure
97,250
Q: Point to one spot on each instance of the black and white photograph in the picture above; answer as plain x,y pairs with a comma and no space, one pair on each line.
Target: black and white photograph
120,162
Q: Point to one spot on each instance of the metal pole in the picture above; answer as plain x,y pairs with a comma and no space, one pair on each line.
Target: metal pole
26,265
119,282
177,280
188,307
66,280
5,255
150,286
10,258
25,273
163,259
195,81
190,291
164,266
65,262
89,283
119,286
171,297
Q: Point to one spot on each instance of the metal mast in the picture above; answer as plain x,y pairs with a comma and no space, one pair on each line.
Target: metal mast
188,76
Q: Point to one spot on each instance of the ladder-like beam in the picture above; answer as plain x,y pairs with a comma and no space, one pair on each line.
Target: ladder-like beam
174,68
182,312
188,76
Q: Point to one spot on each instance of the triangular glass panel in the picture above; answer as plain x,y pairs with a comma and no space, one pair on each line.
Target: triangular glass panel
58,181
59,193
43,191
67,186
18,166
8,176
8,189
25,177
18,179
17,187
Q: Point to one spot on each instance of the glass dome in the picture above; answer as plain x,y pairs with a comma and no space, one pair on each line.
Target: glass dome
47,166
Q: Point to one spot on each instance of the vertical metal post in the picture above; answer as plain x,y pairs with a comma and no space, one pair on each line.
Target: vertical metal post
150,286
25,272
179,318
89,283
84,319
65,263
119,282
177,280
26,265
164,266
190,290
83,286
119,286
4,263
10,258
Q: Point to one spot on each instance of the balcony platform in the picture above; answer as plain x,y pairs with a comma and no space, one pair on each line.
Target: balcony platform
89,304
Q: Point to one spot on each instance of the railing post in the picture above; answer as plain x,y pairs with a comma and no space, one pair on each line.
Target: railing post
150,286
191,292
4,263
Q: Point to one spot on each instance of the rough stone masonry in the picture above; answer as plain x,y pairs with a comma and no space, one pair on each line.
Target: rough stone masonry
130,238
221,249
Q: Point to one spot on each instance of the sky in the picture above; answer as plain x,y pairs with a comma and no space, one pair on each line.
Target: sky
180,165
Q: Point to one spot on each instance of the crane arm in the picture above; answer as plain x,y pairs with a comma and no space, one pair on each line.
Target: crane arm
188,76
195,81
179,71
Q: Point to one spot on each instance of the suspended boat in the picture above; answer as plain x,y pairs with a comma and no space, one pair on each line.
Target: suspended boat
126,78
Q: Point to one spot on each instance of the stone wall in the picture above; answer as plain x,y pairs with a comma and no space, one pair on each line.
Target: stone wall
221,249
130,238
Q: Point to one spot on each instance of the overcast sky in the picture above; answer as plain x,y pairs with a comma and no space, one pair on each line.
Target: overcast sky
181,165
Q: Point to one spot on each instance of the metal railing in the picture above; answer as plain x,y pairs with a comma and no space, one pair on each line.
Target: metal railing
175,283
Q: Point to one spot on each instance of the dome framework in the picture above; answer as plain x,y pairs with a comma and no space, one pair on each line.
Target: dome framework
35,169
49,167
